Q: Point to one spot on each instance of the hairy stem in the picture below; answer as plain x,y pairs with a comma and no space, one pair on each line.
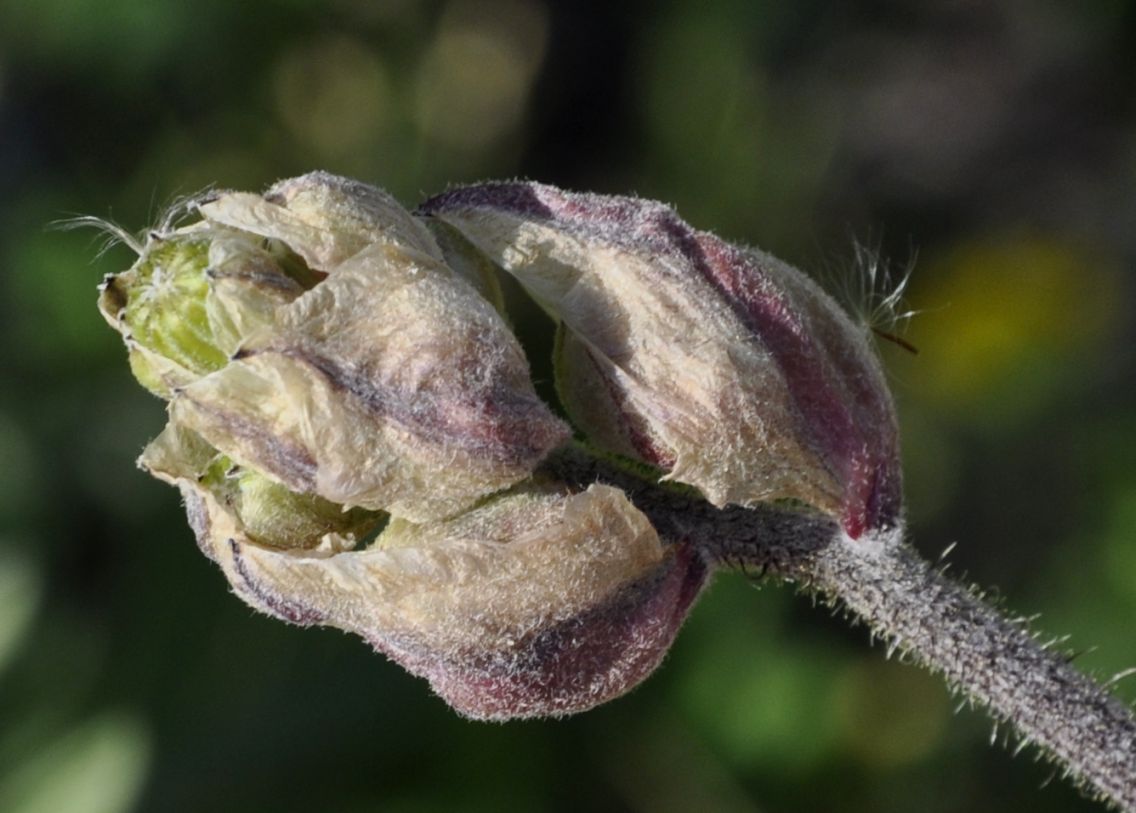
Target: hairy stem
943,625
949,629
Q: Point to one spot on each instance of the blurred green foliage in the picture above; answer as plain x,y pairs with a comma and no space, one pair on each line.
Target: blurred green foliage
999,140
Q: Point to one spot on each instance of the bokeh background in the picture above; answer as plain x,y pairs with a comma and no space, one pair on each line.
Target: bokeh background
993,146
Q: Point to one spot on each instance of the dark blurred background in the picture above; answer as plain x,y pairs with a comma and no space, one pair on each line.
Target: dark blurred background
995,143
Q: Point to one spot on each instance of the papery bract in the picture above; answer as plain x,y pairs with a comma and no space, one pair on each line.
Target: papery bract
324,218
391,385
724,366
537,602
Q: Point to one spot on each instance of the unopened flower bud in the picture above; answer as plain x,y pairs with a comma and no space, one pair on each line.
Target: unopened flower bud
315,336
725,366
537,602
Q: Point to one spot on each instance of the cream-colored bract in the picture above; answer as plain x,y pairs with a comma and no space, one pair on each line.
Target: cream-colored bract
391,385
678,356
539,601
483,582
324,218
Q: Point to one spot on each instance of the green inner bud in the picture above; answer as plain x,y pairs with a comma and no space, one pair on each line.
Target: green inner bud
292,265
265,511
194,296
273,515
164,309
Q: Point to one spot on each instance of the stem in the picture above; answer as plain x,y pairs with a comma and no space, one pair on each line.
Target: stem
950,630
945,626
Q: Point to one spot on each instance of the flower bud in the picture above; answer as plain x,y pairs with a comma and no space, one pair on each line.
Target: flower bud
315,336
537,602
725,366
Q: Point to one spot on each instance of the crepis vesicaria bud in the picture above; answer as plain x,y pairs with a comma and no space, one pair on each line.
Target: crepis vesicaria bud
358,443
337,370
724,366
315,335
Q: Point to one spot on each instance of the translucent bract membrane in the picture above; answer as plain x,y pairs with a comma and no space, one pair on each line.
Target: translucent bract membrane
540,601
724,366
